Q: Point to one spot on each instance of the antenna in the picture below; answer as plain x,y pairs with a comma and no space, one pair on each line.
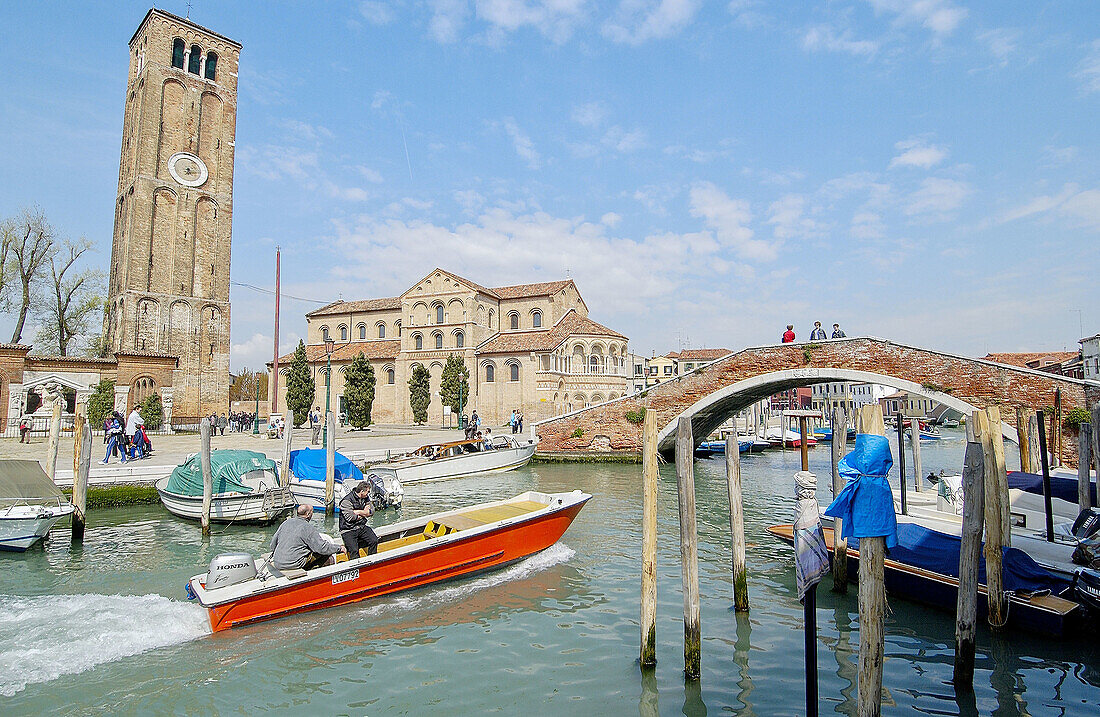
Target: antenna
188,9
1080,322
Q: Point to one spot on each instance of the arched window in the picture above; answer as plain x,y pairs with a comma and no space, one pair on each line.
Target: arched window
593,364
343,333
418,342
389,376
381,330
211,65
324,333
397,328
490,373
513,320
195,60
438,336
177,53
492,314
513,372
362,331
439,314
460,339
536,319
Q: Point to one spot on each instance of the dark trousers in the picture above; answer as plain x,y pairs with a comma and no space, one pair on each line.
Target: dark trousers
363,536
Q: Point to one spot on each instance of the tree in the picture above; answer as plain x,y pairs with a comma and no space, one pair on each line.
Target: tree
420,393
359,391
300,386
73,299
454,386
101,402
31,246
152,412
242,387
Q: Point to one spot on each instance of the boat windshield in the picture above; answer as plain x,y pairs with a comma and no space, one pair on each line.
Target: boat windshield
24,482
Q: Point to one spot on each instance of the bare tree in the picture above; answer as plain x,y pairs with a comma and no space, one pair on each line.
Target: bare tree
75,297
31,247
9,231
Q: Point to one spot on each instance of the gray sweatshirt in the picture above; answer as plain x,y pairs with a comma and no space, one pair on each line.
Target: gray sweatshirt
295,541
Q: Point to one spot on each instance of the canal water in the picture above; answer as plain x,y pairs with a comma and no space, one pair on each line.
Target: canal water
106,627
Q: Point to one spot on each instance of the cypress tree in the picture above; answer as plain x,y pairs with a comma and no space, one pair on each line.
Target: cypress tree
420,393
359,391
300,386
454,386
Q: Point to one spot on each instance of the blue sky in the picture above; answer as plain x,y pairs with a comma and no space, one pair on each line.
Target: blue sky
707,172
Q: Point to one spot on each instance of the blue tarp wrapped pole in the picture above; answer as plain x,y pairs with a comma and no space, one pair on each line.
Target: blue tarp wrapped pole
866,505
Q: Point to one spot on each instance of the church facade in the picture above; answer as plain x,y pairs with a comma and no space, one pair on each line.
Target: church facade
169,276
529,348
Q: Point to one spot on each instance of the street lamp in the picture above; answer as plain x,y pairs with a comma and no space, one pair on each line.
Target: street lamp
329,344
461,393
256,416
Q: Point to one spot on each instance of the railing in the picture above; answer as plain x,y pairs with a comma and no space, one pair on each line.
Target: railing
40,426
616,372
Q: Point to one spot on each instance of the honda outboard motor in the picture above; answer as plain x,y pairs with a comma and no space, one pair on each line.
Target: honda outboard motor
230,569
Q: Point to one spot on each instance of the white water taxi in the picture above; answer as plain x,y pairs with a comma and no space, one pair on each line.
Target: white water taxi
458,458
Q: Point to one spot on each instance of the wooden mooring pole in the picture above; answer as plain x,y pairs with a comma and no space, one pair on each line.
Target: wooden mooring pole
207,475
1084,448
1095,423
737,523
901,458
872,599
840,545
330,463
1046,482
288,434
1023,439
689,555
1033,443
988,430
648,655
973,486
918,478
1056,434
55,439
82,463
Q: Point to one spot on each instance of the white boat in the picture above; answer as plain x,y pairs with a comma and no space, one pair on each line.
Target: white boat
245,484
307,476
458,458
30,504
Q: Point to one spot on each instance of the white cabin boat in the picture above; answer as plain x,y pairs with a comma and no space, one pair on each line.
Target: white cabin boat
458,458
30,504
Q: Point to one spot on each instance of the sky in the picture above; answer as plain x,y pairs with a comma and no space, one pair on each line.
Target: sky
927,171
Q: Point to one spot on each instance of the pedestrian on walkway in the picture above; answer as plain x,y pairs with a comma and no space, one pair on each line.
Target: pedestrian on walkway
115,435
818,334
133,422
788,335
837,333
25,429
315,425
512,421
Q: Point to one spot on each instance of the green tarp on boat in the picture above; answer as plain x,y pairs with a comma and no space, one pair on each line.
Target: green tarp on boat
226,468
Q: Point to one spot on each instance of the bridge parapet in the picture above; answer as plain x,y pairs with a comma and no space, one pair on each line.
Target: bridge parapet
712,393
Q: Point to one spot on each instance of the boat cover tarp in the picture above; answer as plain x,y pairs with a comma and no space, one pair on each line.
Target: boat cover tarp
23,482
811,556
1064,488
939,552
309,464
866,504
226,468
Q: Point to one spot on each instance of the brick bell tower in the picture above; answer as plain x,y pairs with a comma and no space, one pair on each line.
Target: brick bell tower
169,286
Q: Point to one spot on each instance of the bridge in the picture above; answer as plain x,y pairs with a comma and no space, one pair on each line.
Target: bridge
711,394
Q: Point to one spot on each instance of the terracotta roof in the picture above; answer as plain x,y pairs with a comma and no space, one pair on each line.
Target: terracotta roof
146,354
546,339
1022,359
350,307
19,347
520,291
347,351
699,354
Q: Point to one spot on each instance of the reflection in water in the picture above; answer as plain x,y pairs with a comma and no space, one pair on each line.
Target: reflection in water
647,703
693,699
741,658
846,658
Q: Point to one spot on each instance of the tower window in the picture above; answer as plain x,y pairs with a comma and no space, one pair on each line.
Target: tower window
381,330
513,372
389,376
343,333
439,314
490,376
438,340
460,340
211,65
536,319
177,53
513,320
195,60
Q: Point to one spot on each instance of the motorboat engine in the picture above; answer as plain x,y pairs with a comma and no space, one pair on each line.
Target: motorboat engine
230,569
1087,524
1086,589
1086,529
385,490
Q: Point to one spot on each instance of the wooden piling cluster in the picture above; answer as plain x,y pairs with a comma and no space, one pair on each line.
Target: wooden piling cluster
973,486
207,475
840,544
872,597
1084,450
689,549
54,439
82,463
737,524
998,532
648,655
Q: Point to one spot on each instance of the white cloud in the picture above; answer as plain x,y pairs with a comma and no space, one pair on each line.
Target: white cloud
525,148
746,15
376,12
729,219
555,19
369,174
1085,208
252,353
590,114
1088,71
448,19
638,21
380,99
867,225
918,153
611,219
623,140
786,217
1040,204
938,197
823,37
469,199
1001,43
941,17
1056,156
1082,208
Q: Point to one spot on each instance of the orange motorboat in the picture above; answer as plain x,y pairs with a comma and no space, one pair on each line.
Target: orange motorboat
239,589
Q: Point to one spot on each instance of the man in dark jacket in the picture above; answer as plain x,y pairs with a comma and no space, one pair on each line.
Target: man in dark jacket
837,333
355,513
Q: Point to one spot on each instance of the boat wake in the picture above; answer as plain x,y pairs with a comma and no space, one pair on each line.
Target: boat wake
43,638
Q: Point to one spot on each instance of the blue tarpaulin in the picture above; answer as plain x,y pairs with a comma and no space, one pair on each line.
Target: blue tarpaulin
309,464
1064,488
866,504
939,552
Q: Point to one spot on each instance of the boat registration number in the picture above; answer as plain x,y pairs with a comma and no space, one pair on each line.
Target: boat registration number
344,577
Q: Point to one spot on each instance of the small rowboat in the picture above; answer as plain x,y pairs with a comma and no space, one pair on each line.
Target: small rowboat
411,554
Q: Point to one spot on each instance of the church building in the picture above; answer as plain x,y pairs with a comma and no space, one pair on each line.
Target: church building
529,348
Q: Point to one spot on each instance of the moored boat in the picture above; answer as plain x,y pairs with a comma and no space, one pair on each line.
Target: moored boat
412,553
245,488
307,471
457,458
793,440
30,504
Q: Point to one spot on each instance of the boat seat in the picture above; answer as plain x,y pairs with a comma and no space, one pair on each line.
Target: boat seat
341,557
293,573
434,529
481,516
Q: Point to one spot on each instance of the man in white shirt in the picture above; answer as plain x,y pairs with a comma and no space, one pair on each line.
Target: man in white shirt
132,422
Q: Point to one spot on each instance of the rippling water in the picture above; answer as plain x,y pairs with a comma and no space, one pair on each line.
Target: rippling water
105,627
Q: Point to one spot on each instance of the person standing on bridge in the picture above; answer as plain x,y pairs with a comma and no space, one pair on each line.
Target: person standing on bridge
818,334
788,335
837,333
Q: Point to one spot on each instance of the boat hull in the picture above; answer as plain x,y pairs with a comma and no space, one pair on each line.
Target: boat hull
312,492
444,558
19,532
494,461
256,507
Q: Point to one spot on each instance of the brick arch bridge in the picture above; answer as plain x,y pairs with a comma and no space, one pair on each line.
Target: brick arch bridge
711,394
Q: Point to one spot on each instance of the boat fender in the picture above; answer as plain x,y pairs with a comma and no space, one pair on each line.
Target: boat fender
230,569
